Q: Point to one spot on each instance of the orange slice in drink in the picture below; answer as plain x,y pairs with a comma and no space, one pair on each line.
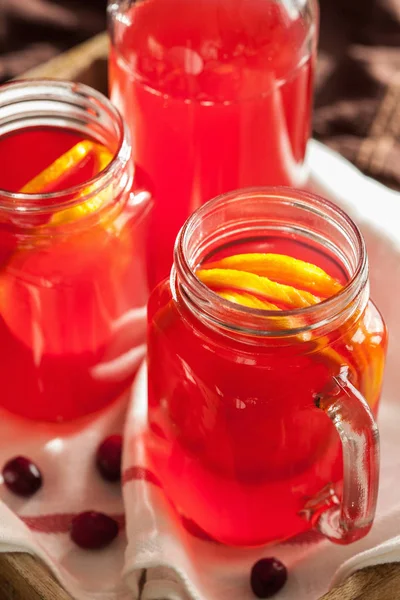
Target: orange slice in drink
323,352
64,163
247,300
242,281
103,159
93,275
283,269
254,290
69,160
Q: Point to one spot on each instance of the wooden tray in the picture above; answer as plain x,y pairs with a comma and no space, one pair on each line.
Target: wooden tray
23,577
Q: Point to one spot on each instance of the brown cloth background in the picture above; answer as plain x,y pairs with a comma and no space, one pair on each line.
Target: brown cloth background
357,101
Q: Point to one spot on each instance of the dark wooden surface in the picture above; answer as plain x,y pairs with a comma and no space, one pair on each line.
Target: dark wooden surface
24,578
381,582
86,63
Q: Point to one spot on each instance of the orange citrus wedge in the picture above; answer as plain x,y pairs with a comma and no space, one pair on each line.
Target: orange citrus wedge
70,159
247,300
261,286
103,158
323,351
283,269
236,285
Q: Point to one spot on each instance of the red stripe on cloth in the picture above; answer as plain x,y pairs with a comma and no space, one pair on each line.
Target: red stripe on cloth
140,474
59,523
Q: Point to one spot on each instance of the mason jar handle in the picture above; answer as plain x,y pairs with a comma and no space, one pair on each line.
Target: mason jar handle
351,519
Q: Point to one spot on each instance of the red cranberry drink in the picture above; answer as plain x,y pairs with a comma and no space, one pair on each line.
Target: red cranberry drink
263,341
72,281
217,99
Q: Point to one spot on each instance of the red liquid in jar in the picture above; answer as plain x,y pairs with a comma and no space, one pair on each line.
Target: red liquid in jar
26,153
69,299
234,435
217,99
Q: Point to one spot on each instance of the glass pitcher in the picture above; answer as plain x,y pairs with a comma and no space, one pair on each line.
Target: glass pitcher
217,94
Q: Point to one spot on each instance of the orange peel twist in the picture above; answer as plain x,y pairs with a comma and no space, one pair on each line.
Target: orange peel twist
282,269
246,279
261,286
69,160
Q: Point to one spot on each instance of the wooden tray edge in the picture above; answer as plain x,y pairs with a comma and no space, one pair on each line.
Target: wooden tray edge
84,63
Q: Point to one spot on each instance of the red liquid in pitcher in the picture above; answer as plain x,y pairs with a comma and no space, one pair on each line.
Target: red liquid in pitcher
234,434
217,99
66,293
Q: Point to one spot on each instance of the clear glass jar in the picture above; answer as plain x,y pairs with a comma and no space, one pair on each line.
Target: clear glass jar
261,422
73,286
216,100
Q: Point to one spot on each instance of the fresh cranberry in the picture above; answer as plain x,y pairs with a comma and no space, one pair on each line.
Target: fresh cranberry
22,476
109,456
268,576
93,530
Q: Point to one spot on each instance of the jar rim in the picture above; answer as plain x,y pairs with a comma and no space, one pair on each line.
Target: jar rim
318,315
51,90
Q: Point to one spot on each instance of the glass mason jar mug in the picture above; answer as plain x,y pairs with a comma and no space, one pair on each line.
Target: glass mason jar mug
261,418
216,100
73,286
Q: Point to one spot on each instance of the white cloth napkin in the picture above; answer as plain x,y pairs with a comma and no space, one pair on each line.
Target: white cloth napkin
71,484
160,557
